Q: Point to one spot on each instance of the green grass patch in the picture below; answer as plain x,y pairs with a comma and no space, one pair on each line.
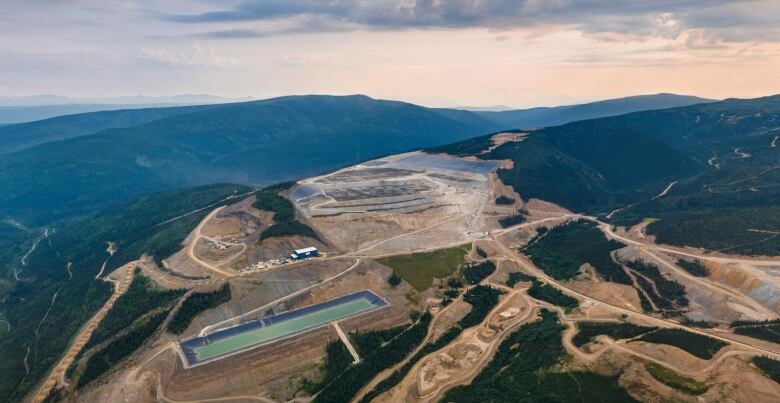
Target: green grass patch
419,269
675,380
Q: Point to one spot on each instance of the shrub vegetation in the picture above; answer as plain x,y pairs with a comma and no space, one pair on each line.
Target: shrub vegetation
194,305
504,200
514,219
475,273
516,277
285,224
670,294
141,297
675,380
344,386
587,331
521,371
562,250
394,279
546,292
695,267
769,367
120,348
482,299
701,346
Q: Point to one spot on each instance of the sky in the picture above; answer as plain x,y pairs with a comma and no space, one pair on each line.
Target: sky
432,52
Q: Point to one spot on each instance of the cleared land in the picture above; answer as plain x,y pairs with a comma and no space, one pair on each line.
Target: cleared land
419,269
398,204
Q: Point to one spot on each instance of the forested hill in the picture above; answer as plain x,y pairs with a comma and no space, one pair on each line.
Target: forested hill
56,291
74,165
723,158
16,137
259,142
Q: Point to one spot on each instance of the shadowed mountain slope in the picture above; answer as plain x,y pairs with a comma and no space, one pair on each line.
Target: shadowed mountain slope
722,159
258,142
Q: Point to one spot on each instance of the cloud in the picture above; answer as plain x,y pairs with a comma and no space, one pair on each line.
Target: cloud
297,25
728,19
197,55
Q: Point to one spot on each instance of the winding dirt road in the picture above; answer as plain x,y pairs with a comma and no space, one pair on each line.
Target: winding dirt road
648,318
196,236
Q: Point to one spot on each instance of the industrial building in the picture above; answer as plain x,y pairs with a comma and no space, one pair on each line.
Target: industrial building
304,253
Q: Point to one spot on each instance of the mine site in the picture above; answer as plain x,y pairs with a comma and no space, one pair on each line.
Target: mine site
390,201
411,275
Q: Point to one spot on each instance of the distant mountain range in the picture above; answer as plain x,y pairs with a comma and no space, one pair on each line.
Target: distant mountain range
553,116
49,100
38,107
77,164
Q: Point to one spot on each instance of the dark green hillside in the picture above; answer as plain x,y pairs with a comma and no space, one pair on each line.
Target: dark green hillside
719,156
15,137
154,224
562,250
748,231
704,347
195,304
590,166
285,224
258,142
141,297
11,239
706,124
733,141
13,242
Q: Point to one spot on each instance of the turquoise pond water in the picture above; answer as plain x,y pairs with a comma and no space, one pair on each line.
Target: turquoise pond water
281,329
